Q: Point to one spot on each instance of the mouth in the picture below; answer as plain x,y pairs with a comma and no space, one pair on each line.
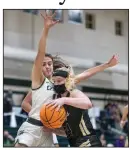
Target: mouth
48,71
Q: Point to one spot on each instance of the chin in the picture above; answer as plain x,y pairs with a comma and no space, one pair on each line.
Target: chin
48,75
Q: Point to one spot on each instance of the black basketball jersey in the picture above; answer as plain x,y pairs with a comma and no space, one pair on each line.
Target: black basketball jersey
78,127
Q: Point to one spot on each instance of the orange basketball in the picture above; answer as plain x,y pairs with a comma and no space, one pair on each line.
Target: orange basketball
52,118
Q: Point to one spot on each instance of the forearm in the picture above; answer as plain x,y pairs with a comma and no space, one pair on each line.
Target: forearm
59,132
42,46
26,107
82,103
43,39
98,68
37,75
94,70
90,72
125,113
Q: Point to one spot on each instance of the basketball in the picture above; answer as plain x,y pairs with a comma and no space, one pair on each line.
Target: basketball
52,118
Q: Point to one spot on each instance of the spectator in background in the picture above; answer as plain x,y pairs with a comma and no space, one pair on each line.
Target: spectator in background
8,139
120,142
107,109
103,141
116,115
115,109
113,115
8,105
8,102
23,112
117,121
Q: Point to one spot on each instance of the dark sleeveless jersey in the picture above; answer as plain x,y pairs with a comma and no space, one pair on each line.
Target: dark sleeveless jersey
78,128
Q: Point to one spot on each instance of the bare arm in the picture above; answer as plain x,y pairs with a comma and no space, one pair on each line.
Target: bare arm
92,71
77,99
59,132
26,104
37,75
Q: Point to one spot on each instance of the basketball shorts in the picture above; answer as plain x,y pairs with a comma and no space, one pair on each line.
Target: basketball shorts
33,136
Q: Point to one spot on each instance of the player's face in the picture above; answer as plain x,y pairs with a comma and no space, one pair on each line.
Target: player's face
57,80
47,68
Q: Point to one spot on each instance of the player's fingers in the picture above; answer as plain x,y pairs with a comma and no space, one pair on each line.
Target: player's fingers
54,106
54,14
49,104
58,108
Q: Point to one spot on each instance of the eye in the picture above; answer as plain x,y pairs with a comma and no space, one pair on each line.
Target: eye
59,81
50,64
44,64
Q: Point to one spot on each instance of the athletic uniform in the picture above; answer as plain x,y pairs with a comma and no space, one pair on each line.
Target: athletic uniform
31,132
78,128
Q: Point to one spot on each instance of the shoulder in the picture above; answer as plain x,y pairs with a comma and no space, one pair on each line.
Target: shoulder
45,81
75,92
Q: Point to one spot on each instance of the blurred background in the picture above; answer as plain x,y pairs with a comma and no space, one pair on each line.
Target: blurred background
85,38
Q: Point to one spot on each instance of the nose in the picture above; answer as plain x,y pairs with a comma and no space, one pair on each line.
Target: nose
47,66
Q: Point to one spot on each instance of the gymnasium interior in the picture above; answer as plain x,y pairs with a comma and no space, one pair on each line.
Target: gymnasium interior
85,39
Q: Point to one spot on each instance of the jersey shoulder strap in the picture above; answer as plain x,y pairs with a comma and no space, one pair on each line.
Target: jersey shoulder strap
54,96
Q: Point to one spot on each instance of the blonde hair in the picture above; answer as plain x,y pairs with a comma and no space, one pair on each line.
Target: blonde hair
70,83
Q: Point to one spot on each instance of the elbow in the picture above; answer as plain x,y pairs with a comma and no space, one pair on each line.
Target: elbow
23,105
88,105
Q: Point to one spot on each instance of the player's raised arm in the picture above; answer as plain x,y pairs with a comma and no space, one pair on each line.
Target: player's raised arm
37,75
92,71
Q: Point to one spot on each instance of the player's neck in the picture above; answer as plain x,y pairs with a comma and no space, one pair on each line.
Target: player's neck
49,78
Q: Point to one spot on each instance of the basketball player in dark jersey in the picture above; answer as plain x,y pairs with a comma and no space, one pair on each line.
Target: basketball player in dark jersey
78,128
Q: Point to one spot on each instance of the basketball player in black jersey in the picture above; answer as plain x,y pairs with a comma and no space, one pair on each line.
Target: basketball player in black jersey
78,128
